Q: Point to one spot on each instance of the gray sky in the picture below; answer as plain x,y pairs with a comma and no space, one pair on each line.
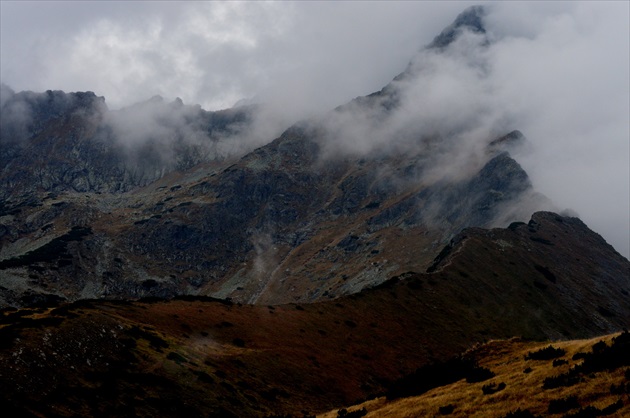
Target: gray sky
559,72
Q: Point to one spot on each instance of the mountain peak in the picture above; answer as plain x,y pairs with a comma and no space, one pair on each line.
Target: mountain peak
470,19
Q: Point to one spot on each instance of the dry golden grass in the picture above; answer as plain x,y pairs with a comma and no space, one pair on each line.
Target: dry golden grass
523,390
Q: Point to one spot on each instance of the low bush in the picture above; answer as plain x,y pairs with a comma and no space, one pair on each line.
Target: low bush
547,353
493,388
562,380
438,374
447,409
521,413
586,412
558,406
559,362
343,413
601,358
479,374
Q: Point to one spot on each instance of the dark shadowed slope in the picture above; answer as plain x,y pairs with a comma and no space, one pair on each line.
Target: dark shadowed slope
551,278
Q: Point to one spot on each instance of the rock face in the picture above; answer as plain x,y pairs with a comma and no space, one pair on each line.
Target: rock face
56,142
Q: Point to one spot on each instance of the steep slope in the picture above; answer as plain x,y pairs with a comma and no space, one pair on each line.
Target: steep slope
552,278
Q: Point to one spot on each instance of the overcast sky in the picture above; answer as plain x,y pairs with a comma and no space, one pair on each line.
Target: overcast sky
560,70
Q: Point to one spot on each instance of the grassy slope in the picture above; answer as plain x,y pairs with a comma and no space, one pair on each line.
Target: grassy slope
523,390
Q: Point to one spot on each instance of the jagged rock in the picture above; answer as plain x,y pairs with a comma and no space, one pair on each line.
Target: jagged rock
470,19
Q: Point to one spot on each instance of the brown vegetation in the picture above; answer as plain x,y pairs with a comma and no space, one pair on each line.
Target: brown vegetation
596,392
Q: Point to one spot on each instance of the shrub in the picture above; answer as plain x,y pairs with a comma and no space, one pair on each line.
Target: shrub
479,374
547,353
620,390
149,284
525,413
493,388
435,375
51,251
354,414
610,358
587,412
515,225
447,409
204,377
565,379
559,362
541,240
612,408
274,393
558,406
599,347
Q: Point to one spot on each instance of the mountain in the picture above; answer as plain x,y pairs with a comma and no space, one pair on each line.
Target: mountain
58,142
551,278
324,227
163,260
163,199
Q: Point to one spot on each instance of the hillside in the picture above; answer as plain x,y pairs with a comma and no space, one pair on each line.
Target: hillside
554,279
577,378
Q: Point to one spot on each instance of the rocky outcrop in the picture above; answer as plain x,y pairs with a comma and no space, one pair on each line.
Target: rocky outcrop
56,141
470,19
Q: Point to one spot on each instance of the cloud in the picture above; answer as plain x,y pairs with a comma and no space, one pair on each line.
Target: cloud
213,53
563,81
567,86
557,71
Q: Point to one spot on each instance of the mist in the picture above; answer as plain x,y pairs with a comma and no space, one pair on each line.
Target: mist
556,71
